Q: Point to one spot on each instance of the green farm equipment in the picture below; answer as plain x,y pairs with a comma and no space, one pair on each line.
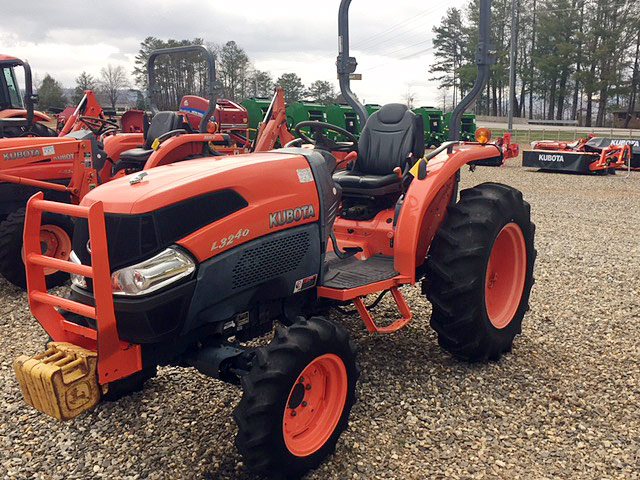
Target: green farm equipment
434,127
372,107
256,108
467,126
305,111
345,117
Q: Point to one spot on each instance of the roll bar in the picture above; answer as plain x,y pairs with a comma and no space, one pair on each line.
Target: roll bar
213,86
29,97
484,58
346,65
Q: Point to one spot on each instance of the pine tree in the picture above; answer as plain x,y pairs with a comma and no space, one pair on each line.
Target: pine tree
84,81
322,92
50,94
292,86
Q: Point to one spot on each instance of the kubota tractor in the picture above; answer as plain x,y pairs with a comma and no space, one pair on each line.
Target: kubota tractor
183,263
17,116
67,169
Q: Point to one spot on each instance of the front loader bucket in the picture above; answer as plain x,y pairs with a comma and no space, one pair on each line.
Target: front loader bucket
61,382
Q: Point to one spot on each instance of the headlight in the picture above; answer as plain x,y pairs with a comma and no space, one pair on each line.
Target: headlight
152,274
77,280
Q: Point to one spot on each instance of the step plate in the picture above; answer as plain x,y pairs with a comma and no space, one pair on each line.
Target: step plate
352,273
61,382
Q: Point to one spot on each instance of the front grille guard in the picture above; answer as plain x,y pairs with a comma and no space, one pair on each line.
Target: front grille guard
116,359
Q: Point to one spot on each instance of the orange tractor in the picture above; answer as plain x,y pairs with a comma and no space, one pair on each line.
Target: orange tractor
89,152
17,115
183,263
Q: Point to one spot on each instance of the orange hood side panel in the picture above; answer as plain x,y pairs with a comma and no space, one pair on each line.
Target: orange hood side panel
278,196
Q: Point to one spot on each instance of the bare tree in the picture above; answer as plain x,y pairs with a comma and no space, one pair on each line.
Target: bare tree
409,97
113,79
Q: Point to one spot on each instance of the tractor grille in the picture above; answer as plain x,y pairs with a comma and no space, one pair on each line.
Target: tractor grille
270,259
132,238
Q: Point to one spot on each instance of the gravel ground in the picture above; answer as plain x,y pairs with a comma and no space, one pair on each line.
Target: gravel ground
563,404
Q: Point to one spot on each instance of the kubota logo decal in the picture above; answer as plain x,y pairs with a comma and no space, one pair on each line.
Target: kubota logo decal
633,143
550,158
289,216
21,154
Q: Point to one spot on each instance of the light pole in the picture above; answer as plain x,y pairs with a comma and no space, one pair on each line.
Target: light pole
512,64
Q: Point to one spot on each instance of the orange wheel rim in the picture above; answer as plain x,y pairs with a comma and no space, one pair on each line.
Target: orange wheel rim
54,242
315,405
506,270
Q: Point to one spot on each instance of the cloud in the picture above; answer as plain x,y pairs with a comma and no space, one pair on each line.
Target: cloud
279,36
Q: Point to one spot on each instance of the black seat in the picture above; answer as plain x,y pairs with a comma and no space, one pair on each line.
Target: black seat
135,158
392,137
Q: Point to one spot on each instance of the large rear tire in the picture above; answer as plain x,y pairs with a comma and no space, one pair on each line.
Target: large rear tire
296,398
480,272
55,238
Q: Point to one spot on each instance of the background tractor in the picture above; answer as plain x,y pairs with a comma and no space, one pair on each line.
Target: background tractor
17,114
183,264
89,151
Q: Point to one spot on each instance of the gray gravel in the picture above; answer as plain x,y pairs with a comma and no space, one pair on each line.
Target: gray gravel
564,404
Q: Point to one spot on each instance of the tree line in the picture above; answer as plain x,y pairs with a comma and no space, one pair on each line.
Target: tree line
179,75
109,83
186,74
575,59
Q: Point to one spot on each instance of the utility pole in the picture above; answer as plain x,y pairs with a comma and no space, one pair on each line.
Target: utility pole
512,64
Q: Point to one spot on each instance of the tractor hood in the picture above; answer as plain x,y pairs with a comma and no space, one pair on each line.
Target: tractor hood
205,205
163,186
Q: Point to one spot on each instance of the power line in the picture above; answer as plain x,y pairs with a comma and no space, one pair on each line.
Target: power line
376,38
408,46
406,57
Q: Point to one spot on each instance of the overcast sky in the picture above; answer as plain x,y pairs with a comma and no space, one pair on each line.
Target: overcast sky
390,39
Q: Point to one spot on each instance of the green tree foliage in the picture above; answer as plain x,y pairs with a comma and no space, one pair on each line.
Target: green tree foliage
176,75
322,92
575,59
449,44
50,94
292,86
233,71
84,81
260,84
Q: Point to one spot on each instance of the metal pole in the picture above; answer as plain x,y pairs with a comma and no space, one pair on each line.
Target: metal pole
484,58
346,64
512,64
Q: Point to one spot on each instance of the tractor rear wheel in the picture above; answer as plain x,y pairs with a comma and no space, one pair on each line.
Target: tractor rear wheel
296,398
55,238
480,272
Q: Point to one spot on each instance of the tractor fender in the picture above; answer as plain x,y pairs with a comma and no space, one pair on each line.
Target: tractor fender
425,203
18,113
180,147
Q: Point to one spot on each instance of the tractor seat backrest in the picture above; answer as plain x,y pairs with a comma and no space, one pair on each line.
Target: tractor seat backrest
387,139
161,123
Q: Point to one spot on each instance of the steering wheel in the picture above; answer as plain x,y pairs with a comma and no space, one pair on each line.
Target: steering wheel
97,125
324,142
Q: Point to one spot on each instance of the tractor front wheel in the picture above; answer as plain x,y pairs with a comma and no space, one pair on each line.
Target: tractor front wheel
55,238
480,272
296,398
